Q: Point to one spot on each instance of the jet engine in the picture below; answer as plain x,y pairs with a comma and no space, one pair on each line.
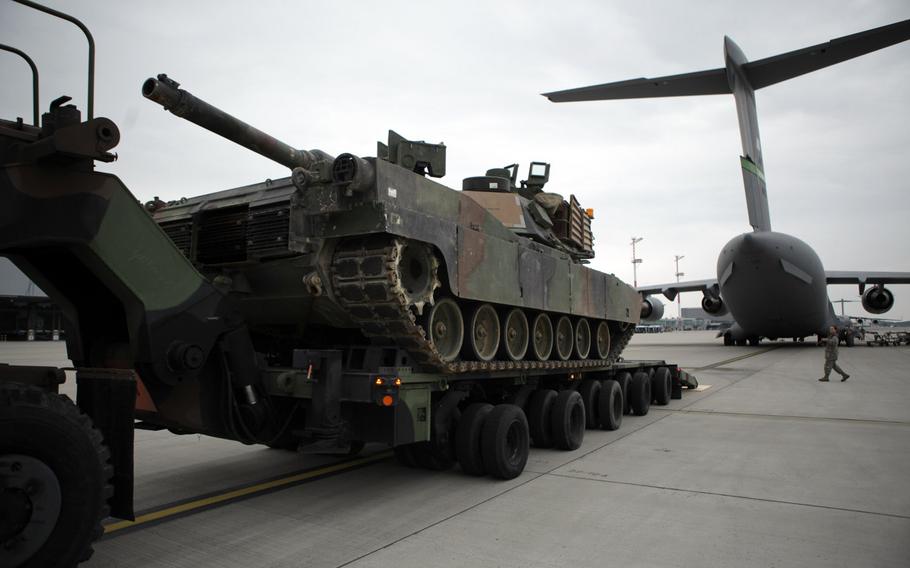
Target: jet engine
651,309
713,305
878,300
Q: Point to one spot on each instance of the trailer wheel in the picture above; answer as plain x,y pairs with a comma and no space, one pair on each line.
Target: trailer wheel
590,393
568,420
661,386
504,441
640,393
55,479
610,404
468,440
625,381
539,412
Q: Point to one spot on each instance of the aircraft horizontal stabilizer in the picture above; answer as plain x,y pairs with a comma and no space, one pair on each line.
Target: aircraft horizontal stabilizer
771,70
711,82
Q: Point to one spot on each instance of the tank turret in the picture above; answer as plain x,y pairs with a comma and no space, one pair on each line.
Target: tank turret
371,250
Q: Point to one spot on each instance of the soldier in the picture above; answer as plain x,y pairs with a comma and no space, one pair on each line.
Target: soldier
831,356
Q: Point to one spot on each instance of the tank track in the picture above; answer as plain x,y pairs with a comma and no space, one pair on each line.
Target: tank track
367,284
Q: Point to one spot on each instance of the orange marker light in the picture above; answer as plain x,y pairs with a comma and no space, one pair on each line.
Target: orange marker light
397,381
379,382
387,400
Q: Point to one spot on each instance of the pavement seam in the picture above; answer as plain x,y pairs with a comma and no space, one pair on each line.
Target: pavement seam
745,497
871,421
492,497
735,359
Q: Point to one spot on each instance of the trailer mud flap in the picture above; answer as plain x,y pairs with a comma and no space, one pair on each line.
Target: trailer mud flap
108,397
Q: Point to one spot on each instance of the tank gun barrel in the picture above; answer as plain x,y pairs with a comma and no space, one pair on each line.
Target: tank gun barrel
166,92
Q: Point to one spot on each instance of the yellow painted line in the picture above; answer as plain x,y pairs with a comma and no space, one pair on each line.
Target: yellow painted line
734,359
243,492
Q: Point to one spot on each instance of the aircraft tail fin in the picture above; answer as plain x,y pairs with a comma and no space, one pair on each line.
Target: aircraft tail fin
741,77
771,70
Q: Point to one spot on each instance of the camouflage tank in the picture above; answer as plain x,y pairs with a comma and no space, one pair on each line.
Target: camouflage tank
352,250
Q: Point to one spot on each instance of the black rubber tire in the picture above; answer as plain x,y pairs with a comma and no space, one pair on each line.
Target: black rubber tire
625,381
640,393
849,340
505,441
568,420
467,438
520,398
728,339
661,386
590,393
49,428
405,455
754,341
539,410
610,405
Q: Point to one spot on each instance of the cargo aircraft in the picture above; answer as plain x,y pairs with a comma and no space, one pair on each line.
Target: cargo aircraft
772,283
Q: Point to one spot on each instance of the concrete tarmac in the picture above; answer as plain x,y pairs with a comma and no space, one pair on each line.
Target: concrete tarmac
761,466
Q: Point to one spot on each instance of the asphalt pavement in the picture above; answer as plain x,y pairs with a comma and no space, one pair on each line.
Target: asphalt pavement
761,466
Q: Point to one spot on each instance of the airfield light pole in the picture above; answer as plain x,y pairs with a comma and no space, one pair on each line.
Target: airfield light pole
635,261
678,257
842,302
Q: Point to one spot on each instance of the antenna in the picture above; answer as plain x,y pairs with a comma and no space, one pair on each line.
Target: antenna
90,107
34,79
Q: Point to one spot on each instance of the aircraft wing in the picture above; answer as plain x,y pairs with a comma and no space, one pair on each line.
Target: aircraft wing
866,277
673,288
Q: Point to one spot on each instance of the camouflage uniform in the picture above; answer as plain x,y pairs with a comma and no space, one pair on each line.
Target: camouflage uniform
831,344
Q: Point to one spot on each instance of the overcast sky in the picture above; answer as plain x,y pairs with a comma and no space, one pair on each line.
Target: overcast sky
338,75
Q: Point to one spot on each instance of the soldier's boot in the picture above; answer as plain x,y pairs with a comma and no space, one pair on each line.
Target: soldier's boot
824,379
846,376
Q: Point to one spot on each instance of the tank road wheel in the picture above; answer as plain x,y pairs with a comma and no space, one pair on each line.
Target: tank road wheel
640,395
515,335
467,438
417,267
568,420
484,336
625,382
610,404
582,338
539,411
590,392
445,328
602,340
542,344
564,338
54,475
661,386
504,441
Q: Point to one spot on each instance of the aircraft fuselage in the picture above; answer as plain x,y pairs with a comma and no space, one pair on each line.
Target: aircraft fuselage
774,286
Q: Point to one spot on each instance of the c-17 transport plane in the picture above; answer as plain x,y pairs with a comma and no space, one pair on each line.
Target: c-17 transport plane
772,283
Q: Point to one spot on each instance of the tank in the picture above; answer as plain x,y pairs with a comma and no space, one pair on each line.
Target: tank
353,250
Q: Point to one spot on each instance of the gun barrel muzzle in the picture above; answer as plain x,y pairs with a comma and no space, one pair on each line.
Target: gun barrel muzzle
167,93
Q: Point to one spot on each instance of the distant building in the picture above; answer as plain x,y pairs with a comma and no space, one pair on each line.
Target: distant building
26,313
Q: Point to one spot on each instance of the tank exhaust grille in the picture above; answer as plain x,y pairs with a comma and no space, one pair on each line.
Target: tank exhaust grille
267,230
222,235
181,234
